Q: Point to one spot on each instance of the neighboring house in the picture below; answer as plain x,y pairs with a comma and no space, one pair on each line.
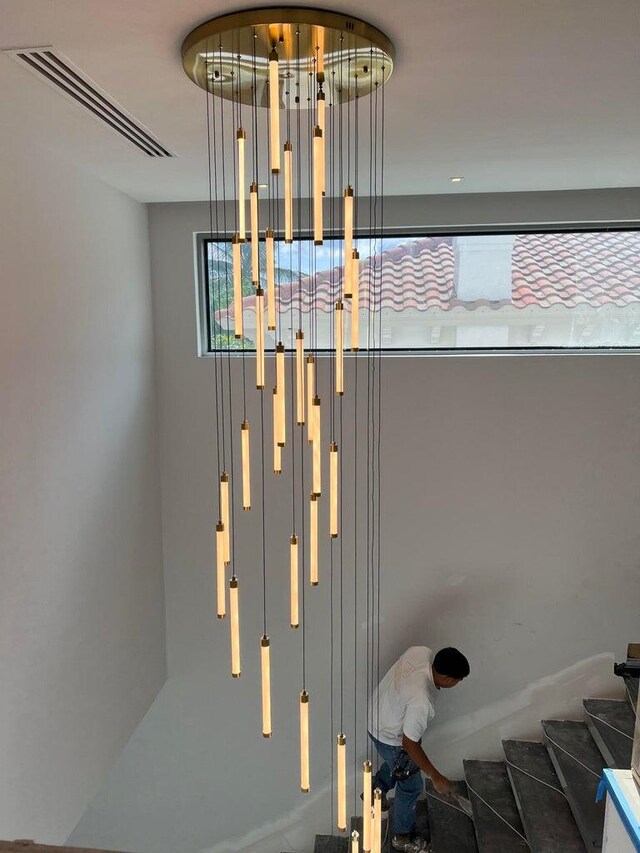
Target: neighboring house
575,289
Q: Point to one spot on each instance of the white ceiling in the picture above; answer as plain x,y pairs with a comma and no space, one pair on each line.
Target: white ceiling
512,94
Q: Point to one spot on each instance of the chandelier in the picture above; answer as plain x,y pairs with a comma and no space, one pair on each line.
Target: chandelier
295,149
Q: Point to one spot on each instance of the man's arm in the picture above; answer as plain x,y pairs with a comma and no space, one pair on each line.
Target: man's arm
415,751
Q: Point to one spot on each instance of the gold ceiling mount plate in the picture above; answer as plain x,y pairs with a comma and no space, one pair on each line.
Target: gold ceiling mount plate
229,55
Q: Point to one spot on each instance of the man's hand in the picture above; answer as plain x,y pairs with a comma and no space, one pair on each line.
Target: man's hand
442,784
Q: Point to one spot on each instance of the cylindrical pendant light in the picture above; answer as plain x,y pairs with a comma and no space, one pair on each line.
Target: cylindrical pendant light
322,125
277,450
255,240
288,192
246,466
281,399
241,137
221,586
313,539
311,384
355,841
265,667
366,807
341,761
318,159
294,583
259,337
304,742
300,377
236,258
348,239
333,490
376,841
224,512
317,447
271,280
355,300
235,627
339,332
274,110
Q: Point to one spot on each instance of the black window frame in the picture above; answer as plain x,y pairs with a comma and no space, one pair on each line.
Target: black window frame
203,239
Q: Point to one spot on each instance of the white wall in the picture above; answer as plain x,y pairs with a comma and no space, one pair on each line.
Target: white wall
510,506
81,588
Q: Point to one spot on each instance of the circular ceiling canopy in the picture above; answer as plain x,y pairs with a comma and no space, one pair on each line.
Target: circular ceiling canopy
230,55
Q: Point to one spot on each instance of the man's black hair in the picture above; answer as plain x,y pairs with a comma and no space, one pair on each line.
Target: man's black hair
451,662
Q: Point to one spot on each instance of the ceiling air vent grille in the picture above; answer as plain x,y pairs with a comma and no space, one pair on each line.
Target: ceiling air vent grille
58,71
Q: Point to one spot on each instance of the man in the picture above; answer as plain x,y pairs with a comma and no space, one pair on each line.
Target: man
401,708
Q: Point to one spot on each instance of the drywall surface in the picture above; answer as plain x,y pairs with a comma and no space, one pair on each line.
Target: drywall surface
81,600
511,492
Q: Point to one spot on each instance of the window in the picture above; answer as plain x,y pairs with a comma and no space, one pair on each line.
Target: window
554,291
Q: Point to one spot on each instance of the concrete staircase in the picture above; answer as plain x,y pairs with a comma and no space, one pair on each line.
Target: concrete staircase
541,798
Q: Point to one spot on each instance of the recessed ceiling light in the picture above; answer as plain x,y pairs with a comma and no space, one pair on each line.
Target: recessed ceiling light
456,180
262,186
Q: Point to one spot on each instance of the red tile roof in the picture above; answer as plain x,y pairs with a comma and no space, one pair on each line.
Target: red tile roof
594,269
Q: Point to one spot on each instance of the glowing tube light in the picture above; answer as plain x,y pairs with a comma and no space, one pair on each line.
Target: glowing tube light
288,192
313,540
348,240
321,124
318,177
319,39
366,807
281,433
311,382
236,259
259,337
246,466
241,137
220,576
271,280
294,584
304,742
300,377
224,512
277,450
339,315
274,110
376,845
317,440
235,627
355,300
355,841
341,749
255,241
333,490
265,667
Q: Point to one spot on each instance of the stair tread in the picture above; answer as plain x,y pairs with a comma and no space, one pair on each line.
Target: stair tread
570,742
331,844
490,781
451,830
604,716
545,813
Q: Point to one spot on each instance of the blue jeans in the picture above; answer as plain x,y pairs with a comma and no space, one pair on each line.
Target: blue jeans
407,790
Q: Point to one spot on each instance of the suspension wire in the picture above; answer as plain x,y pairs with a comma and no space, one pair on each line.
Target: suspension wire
226,270
207,261
376,477
244,354
264,534
355,459
341,443
229,383
370,686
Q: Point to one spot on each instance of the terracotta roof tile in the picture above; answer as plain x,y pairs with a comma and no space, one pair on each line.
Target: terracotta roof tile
548,270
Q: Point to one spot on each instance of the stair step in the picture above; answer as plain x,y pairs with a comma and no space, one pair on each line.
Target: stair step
631,687
331,844
489,780
611,724
570,747
451,830
545,813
